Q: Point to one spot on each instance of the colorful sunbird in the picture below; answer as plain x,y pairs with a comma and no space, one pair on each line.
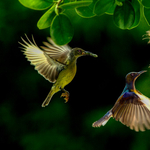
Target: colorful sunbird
132,108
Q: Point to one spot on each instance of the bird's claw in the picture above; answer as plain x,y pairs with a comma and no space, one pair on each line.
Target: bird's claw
66,96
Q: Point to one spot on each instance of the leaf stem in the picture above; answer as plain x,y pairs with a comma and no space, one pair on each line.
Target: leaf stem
118,3
56,8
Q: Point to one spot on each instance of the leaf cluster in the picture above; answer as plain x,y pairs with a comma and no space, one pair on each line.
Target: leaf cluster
126,14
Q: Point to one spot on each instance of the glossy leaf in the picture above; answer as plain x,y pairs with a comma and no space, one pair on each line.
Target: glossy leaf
67,1
136,6
111,10
117,1
146,3
73,5
147,15
87,11
46,19
124,15
102,6
61,29
37,4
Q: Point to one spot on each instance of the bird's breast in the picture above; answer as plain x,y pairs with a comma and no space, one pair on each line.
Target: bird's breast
67,75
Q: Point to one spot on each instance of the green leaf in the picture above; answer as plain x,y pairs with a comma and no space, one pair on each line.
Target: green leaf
124,15
146,3
118,1
102,6
136,6
61,29
67,1
73,5
46,19
111,10
147,15
37,4
87,11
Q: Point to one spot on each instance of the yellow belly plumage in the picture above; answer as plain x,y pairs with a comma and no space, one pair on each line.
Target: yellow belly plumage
66,75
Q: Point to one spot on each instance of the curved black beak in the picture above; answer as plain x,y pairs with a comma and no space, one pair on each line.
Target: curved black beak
140,72
89,53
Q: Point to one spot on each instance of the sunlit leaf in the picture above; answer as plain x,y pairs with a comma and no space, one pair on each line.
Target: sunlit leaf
61,29
46,19
111,10
136,6
147,15
124,15
67,1
87,11
37,4
102,6
73,5
146,3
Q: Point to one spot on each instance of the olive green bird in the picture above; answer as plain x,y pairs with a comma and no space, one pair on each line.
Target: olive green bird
132,108
55,63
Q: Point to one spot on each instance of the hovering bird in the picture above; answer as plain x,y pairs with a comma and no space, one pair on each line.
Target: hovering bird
132,108
55,63
147,36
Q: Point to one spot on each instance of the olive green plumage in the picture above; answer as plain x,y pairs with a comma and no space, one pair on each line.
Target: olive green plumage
55,63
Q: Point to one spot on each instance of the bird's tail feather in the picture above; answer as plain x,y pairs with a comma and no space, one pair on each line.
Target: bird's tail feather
103,120
48,99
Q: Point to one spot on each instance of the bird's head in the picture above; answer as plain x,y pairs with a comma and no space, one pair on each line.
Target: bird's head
80,52
132,76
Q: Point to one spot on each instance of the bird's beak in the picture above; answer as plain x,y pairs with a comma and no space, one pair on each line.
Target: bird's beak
140,72
89,53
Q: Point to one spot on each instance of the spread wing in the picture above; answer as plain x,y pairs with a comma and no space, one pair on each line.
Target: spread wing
59,53
132,111
47,66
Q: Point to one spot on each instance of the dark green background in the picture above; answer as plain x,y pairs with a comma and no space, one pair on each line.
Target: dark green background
25,125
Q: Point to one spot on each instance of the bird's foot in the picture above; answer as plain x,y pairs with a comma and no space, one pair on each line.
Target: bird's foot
65,95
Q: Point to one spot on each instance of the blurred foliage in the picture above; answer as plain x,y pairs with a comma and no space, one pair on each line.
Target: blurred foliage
126,14
24,125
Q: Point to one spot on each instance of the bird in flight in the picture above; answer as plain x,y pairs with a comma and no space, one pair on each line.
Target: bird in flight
55,63
132,108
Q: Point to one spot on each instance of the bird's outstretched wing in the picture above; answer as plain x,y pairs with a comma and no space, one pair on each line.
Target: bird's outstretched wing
47,66
59,53
132,111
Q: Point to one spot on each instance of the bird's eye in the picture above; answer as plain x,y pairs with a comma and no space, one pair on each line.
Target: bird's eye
132,74
79,51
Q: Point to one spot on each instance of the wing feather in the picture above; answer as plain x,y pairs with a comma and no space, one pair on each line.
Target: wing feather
59,53
136,121
128,115
147,117
141,124
124,116
116,112
121,111
44,64
132,112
